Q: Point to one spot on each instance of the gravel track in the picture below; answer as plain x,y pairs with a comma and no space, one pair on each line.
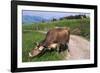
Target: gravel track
79,48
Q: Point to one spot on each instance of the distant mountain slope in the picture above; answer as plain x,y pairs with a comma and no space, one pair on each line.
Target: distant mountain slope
27,19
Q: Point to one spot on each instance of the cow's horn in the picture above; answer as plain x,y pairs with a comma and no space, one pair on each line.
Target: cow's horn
30,55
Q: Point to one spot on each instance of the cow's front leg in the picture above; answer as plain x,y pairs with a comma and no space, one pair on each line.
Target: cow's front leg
58,48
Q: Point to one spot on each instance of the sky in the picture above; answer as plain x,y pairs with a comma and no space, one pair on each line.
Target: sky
50,15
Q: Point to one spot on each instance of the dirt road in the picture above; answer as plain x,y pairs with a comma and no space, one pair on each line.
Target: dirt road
79,47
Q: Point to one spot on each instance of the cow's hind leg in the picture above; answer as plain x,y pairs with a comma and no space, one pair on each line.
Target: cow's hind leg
67,47
61,48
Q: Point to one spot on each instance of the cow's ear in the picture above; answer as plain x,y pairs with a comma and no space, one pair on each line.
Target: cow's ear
36,43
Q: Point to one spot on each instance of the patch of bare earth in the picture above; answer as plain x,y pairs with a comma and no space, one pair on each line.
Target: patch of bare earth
79,48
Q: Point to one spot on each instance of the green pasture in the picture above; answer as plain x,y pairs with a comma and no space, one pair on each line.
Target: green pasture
28,44
30,35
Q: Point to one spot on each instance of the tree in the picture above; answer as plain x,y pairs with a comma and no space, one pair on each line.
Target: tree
54,19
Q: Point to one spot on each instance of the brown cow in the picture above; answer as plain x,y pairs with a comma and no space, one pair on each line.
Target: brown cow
54,39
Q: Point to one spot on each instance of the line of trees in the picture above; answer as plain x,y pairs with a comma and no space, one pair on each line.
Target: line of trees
71,17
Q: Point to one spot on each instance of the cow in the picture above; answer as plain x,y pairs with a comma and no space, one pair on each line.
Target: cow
56,38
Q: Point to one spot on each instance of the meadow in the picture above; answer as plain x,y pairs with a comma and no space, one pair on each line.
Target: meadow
30,35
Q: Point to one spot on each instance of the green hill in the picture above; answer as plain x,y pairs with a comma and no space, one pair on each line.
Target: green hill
30,35
77,26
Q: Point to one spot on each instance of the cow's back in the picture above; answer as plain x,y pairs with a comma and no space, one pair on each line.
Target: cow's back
58,35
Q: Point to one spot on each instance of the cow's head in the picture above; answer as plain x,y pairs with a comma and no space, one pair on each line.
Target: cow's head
36,51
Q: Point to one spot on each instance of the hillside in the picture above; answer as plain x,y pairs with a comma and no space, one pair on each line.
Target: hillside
77,26
27,19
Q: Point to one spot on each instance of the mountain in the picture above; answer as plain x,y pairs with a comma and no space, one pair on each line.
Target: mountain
27,19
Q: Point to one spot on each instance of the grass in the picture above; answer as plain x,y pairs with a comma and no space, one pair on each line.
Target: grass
30,35
83,25
28,44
